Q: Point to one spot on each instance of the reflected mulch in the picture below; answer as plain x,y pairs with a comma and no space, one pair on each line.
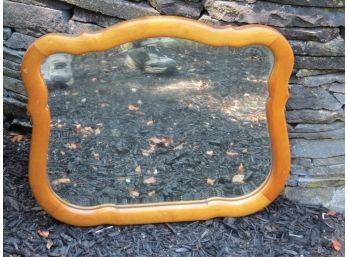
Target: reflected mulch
284,229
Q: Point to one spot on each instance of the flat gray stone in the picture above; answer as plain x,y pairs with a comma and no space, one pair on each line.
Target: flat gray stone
329,170
13,55
11,73
275,14
116,8
335,47
316,148
37,18
314,116
328,161
303,162
337,88
306,72
339,97
321,34
19,41
302,97
14,85
319,63
77,28
46,3
14,105
319,80
330,197
320,181
314,3
83,15
11,65
331,134
208,20
189,9
6,33
313,128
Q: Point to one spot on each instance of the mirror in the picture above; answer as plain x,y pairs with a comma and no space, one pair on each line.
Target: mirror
158,120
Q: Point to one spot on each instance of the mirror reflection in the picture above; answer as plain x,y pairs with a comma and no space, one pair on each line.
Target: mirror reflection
158,120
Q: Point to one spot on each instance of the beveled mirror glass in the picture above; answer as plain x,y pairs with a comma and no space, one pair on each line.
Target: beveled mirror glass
158,119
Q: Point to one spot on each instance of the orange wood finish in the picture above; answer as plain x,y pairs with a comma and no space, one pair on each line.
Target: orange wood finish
147,27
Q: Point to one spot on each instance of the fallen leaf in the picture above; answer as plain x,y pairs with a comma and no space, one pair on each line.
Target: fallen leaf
241,169
238,179
71,146
75,93
62,153
160,141
97,131
150,180
336,245
245,150
43,233
331,213
94,79
16,137
138,170
179,147
149,123
134,193
210,181
132,107
231,153
60,181
96,156
49,244
151,193
210,152
103,105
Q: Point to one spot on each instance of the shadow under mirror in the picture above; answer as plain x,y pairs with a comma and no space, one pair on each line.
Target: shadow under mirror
158,120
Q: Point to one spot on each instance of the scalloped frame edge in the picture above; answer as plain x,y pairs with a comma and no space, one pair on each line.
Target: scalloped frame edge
141,28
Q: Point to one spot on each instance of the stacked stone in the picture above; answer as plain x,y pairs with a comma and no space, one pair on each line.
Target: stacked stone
315,29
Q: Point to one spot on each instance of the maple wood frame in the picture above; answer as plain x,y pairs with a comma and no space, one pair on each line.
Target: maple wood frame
147,27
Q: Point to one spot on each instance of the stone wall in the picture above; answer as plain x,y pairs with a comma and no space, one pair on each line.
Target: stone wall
315,29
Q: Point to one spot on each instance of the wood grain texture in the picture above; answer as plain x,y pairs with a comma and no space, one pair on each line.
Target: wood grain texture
147,27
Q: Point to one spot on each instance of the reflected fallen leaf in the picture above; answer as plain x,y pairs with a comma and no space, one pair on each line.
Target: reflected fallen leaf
210,152
43,233
132,107
241,169
210,181
60,181
49,244
238,179
152,193
336,245
231,153
150,180
138,170
134,193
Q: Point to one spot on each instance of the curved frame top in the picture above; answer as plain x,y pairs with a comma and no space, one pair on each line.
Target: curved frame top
146,27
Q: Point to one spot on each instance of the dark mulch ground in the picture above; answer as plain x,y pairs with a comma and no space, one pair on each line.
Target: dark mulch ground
284,229
208,119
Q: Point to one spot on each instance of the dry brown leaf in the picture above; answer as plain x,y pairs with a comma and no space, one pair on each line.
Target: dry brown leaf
210,152
238,179
138,170
210,181
149,123
60,181
331,213
336,245
134,193
96,156
150,180
241,169
16,137
43,233
71,146
160,141
152,193
49,244
62,153
132,107
75,93
231,153
179,147
97,131
245,150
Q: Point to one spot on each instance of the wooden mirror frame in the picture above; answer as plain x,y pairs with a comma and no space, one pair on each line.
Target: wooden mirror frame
147,27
